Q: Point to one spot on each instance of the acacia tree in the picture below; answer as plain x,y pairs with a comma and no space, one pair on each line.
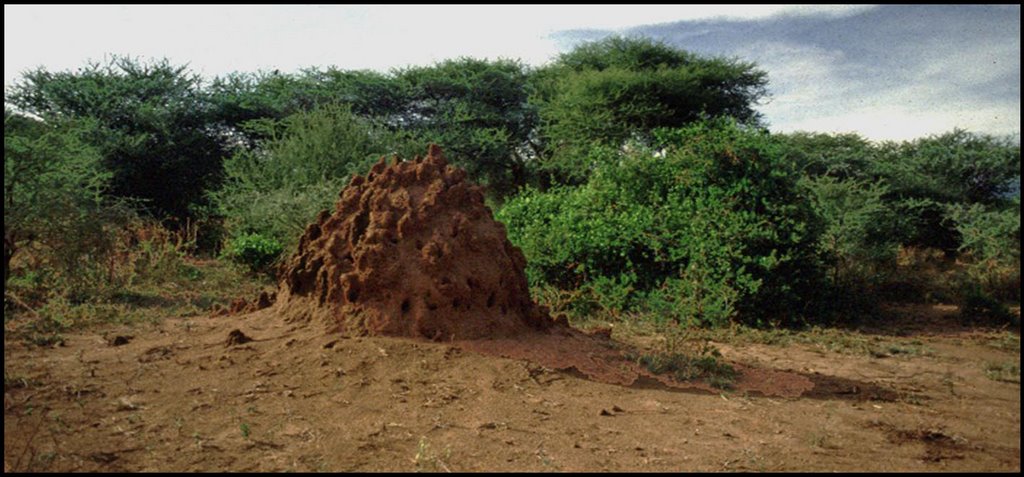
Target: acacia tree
477,110
154,127
239,98
600,95
53,192
927,176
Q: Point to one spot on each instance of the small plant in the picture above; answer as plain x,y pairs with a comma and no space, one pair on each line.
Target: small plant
706,365
1007,372
245,430
255,251
1006,341
979,306
427,460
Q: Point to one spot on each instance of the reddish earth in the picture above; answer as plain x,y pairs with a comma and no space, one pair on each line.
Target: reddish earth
177,397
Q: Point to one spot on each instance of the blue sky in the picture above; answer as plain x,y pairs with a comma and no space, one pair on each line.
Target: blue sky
887,72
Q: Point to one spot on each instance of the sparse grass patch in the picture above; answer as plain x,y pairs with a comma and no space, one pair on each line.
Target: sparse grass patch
1005,341
834,340
148,298
706,364
1007,372
17,382
821,440
428,460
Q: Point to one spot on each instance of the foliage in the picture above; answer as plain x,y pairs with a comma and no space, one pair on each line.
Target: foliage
477,111
53,196
277,189
683,367
148,277
929,175
979,307
842,156
153,127
239,98
990,240
712,230
620,89
254,251
949,192
857,240
1008,372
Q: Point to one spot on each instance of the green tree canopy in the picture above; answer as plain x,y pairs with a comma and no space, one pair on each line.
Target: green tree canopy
928,175
53,192
841,156
618,89
477,111
242,97
153,122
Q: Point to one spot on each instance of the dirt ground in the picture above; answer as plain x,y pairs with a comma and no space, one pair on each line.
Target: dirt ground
188,395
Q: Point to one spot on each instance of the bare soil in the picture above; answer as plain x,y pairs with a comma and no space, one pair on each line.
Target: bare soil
257,393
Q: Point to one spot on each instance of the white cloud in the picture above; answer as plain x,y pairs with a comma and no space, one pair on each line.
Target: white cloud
216,40
814,89
897,122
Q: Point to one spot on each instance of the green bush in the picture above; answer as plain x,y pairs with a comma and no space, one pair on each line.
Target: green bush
277,189
928,175
54,204
858,243
707,229
990,246
257,252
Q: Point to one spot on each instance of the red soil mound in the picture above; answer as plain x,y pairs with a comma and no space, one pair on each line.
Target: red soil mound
411,250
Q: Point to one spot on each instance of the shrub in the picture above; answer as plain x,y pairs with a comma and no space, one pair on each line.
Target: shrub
990,237
929,175
708,229
54,203
858,242
278,188
257,252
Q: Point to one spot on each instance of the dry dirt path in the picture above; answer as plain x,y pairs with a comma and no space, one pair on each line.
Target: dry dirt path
178,397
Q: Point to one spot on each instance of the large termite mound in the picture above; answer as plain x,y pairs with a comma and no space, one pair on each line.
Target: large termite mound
411,250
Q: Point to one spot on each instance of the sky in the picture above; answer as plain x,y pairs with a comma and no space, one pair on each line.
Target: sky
886,72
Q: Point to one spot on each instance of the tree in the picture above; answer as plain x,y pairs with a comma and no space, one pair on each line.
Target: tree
53,192
841,156
154,127
242,97
858,239
608,92
477,110
929,175
276,189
